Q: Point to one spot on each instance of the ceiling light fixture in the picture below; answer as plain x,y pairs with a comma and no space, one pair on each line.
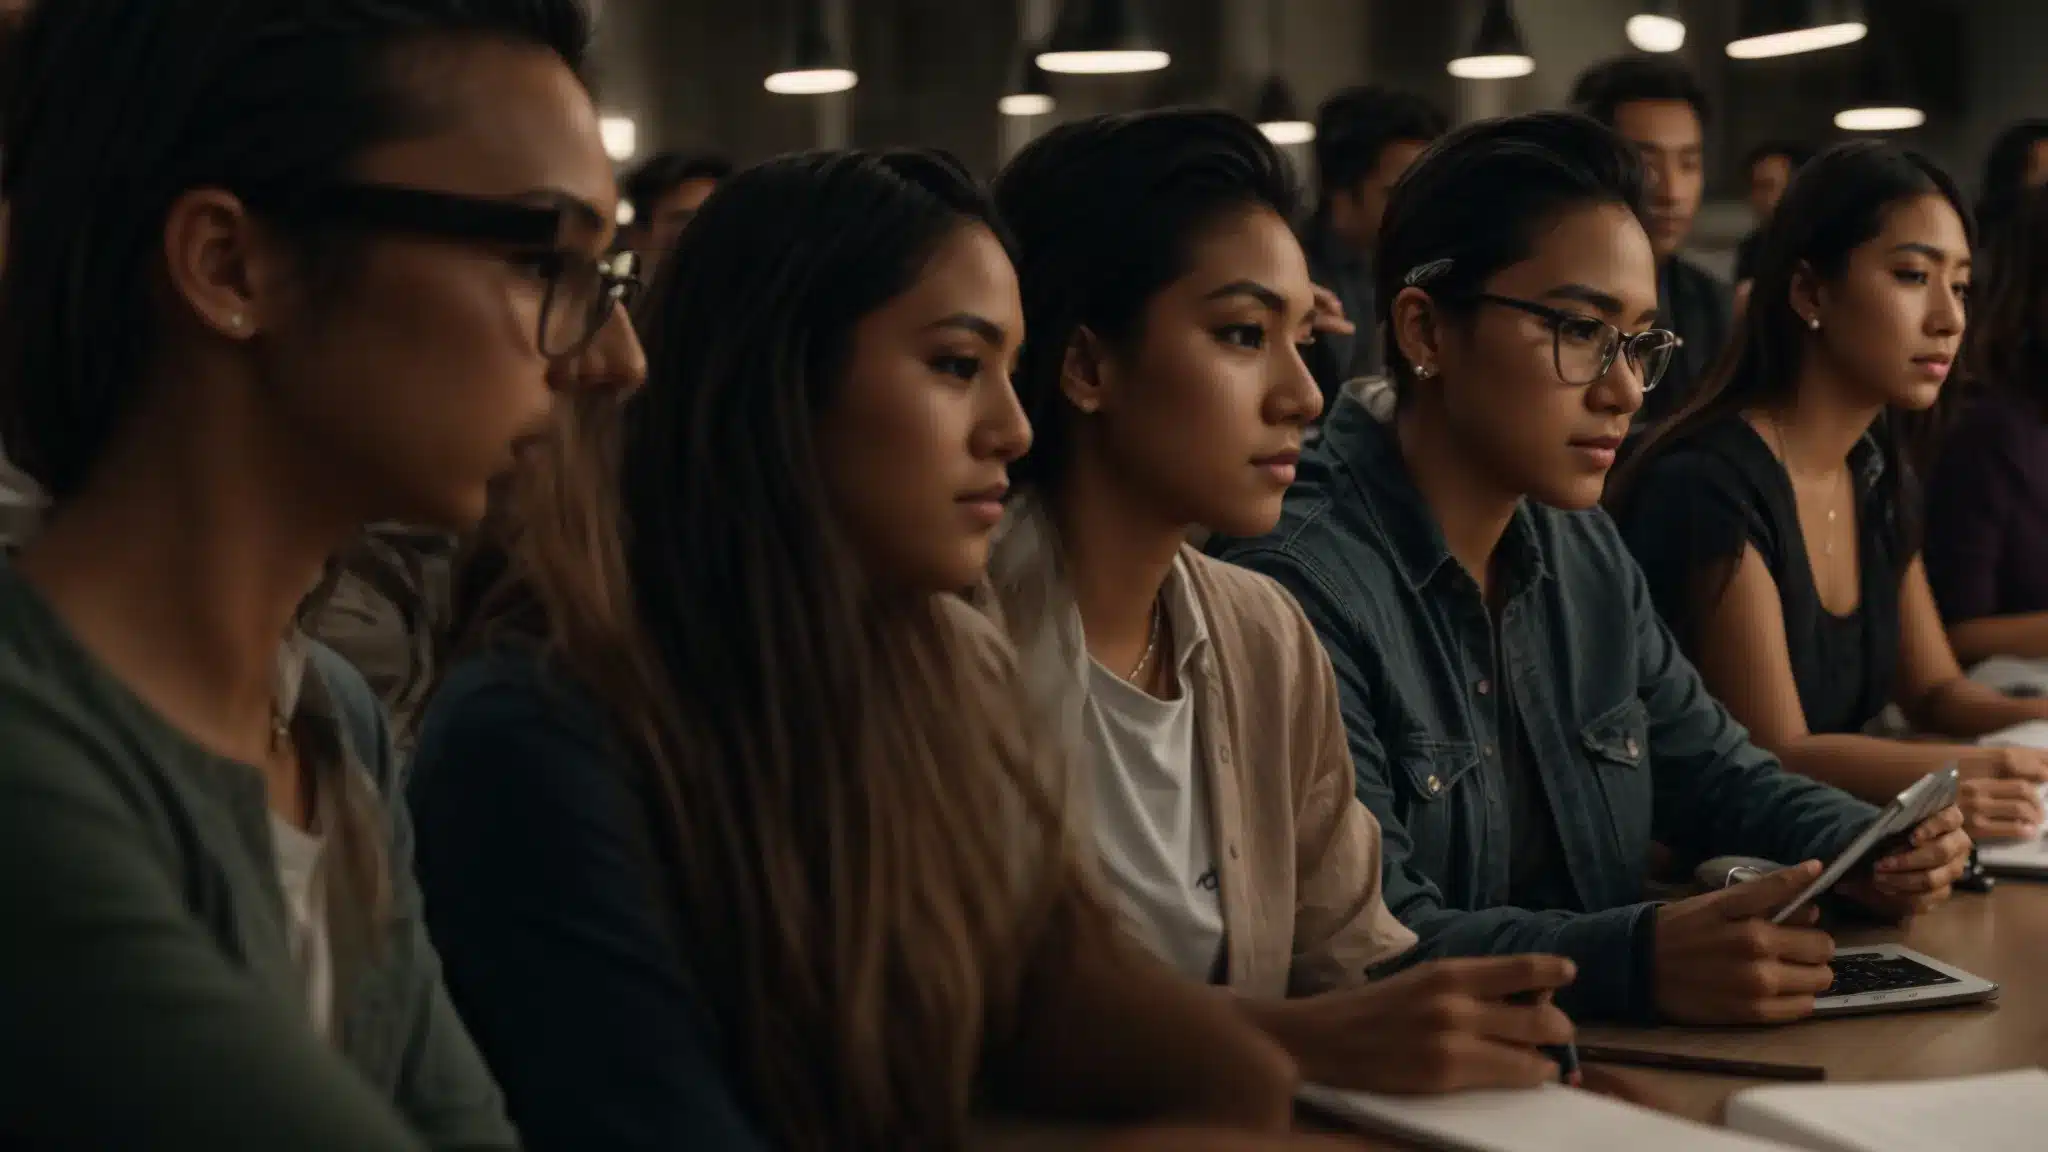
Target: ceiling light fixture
1786,28
1279,117
1030,90
621,137
1883,98
1275,111
1100,38
812,65
1498,50
1658,28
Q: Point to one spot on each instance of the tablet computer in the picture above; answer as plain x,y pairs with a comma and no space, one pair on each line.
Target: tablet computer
1928,795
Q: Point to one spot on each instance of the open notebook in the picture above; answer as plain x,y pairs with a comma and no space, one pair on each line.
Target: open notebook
1547,1119
2005,1112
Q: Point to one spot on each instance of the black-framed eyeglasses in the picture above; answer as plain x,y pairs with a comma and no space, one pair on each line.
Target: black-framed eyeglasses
1584,348
582,291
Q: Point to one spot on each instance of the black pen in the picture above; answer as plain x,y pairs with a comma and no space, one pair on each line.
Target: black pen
1712,1065
1565,1055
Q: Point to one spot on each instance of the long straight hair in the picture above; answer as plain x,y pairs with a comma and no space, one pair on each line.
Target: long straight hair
1834,205
841,791
2006,351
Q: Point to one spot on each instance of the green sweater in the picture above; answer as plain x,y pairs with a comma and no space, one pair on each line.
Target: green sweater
147,994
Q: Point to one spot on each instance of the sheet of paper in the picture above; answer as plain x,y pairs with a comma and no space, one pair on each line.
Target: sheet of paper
2003,1112
2026,857
2010,674
2032,734
1548,1119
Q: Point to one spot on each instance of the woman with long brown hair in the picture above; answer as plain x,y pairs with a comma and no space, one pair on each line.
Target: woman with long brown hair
1987,501
750,845
1777,519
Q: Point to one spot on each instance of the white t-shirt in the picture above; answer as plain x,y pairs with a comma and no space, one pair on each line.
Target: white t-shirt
1152,825
305,908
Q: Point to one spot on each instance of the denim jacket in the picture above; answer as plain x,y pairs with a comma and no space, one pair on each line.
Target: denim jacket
1628,745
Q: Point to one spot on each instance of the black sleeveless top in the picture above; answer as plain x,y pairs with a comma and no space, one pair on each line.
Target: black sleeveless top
1696,506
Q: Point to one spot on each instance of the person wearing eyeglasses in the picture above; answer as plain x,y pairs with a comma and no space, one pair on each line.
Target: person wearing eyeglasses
339,269
1519,720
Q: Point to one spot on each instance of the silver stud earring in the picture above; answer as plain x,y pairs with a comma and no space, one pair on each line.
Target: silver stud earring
235,321
1424,372
1813,323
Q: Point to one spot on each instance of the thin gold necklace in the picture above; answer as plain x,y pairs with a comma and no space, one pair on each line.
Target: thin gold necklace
1151,641
1827,547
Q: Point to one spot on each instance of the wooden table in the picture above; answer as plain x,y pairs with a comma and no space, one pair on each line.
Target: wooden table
2002,936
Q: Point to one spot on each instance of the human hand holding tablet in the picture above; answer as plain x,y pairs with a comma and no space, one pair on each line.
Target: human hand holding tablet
1924,825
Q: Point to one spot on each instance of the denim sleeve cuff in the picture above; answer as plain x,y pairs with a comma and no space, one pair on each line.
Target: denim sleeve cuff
1613,951
1643,968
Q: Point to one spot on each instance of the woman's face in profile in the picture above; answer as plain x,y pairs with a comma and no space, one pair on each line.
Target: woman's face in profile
1893,322
419,375
1538,433
1204,412
917,443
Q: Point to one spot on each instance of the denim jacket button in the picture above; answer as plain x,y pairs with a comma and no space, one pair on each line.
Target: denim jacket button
1485,686
1434,785
1631,747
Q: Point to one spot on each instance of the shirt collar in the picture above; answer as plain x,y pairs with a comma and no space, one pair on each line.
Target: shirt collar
1366,446
1190,627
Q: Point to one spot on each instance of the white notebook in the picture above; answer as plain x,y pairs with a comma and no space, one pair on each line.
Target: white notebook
2004,1112
2024,857
2032,734
1547,1119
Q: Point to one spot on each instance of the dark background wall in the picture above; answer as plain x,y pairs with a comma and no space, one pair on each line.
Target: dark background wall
689,71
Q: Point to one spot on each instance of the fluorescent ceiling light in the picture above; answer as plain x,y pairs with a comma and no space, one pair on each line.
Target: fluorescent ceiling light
1490,67
811,81
1102,38
620,135
1025,104
1104,63
1797,40
1288,131
1879,119
1652,33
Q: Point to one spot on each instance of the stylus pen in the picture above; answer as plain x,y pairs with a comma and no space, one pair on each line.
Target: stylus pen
1679,1062
1565,1055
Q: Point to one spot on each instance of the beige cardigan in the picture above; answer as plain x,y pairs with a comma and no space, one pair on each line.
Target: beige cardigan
1298,855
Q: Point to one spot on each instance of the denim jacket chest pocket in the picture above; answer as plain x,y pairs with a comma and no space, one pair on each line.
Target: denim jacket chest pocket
1443,804
1616,746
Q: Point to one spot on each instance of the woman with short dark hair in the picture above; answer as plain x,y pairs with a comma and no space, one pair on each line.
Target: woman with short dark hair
274,271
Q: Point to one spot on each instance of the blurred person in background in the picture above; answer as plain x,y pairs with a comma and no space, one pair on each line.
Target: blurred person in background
1769,169
1658,106
1987,501
2016,163
665,191
1365,139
